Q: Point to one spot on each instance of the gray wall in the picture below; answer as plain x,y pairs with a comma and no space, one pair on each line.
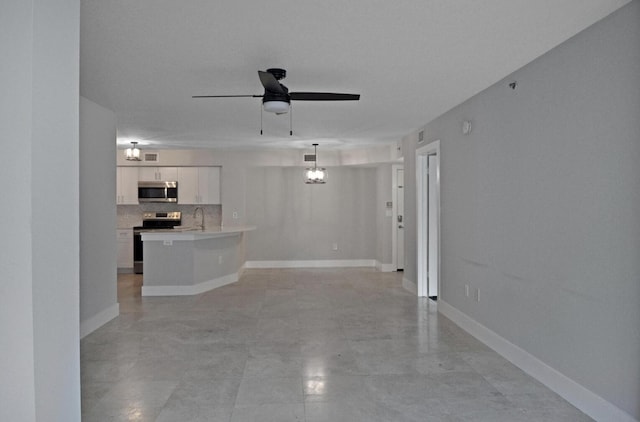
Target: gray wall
234,163
296,221
352,200
39,289
98,286
541,208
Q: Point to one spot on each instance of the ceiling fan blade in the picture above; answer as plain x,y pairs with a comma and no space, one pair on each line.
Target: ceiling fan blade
323,96
226,96
270,83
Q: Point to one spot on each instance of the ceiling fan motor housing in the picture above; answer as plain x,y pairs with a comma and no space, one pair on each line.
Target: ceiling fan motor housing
274,101
277,73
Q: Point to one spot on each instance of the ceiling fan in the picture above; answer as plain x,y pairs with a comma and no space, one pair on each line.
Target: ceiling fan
277,98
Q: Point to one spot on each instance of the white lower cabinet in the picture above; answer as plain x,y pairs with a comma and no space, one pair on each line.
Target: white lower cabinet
125,248
198,185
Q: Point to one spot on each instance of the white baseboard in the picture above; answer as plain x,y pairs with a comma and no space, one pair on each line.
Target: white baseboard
409,286
189,290
320,263
90,325
385,268
582,398
242,269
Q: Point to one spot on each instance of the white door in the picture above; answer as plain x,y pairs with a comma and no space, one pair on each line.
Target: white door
432,266
400,219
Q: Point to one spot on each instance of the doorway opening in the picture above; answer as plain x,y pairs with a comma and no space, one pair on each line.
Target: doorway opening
428,219
397,238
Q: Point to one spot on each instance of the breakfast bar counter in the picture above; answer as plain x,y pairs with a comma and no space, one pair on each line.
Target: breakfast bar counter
187,261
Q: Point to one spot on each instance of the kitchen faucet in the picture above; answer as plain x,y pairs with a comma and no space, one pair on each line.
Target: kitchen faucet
195,213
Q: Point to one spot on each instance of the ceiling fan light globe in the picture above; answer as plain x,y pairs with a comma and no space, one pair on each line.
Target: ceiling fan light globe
278,107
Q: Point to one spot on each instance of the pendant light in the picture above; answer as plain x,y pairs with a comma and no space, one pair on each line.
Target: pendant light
316,175
133,153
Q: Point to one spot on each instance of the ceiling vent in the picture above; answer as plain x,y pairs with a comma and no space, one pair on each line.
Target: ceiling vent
309,157
421,136
152,157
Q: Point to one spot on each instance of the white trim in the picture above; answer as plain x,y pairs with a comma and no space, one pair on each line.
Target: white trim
422,154
586,400
409,286
320,263
90,325
194,289
385,268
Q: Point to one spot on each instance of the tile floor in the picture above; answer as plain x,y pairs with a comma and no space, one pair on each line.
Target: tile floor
300,345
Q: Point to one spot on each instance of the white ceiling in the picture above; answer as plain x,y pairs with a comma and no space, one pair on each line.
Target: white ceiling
411,60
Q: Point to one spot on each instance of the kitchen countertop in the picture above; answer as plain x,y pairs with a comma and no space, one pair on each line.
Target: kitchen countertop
191,233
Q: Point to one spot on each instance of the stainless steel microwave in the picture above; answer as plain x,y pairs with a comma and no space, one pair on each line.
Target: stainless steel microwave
157,192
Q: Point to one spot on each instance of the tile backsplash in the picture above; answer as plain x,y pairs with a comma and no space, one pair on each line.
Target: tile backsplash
131,215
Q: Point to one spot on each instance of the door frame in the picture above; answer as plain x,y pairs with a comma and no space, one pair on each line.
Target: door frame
394,214
422,202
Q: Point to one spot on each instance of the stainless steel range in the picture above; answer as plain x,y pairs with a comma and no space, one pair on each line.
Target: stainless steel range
151,221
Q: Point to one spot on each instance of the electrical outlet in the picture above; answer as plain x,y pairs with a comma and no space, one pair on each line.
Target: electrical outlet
167,242
334,246
477,295
235,215
466,290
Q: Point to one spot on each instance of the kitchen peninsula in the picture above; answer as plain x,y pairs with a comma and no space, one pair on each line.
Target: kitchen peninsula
188,261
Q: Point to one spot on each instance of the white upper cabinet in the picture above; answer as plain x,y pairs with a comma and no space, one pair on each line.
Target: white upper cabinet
127,186
188,185
147,174
199,185
209,185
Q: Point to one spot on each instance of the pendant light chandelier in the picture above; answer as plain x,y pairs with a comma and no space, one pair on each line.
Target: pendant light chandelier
315,175
133,153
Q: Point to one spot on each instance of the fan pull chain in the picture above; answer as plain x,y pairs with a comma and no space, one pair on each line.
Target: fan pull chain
260,118
290,120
